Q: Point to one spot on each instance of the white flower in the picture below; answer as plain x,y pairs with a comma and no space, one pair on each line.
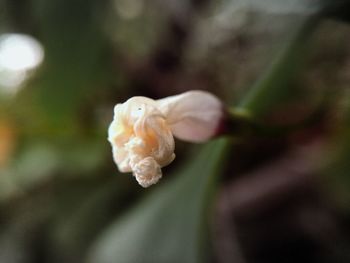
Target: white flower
141,133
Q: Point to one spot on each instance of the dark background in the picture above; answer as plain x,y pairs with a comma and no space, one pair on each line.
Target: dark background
281,198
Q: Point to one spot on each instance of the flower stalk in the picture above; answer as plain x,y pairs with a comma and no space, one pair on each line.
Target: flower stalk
242,125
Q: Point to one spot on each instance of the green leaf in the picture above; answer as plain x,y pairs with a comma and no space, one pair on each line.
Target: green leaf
272,85
277,7
75,58
166,227
305,7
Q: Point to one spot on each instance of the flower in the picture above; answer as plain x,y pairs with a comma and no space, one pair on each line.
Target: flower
142,130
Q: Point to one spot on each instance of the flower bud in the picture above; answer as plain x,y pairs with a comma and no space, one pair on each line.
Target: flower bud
141,133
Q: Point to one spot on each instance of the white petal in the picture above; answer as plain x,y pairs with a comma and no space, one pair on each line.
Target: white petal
137,107
154,129
121,158
193,116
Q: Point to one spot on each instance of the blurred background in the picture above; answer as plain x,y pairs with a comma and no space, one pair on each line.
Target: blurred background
64,64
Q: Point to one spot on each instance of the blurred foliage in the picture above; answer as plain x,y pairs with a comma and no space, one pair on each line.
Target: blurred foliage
167,227
61,196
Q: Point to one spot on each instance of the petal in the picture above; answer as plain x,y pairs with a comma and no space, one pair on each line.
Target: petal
147,172
122,160
192,116
136,107
157,136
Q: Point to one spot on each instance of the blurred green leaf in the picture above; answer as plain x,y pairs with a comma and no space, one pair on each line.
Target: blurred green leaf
76,57
167,226
85,207
336,7
275,6
35,163
272,85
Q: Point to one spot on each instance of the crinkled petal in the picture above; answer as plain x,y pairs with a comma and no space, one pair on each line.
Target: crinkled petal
154,130
192,116
147,172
